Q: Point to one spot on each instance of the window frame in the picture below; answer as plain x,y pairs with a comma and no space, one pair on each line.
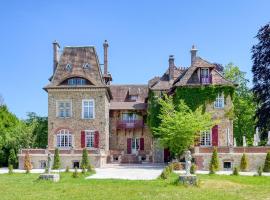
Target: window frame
65,133
219,102
58,110
88,100
91,134
203,144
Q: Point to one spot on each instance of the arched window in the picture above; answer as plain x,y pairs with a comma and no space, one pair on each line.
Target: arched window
64,138
75,81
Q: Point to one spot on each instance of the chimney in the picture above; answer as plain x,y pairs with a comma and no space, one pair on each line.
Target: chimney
105,46
56,48
171,67
193,52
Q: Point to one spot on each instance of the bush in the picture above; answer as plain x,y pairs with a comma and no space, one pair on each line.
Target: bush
193,169
83,170
259,171
10,169
67,169
266,167
27,163
214,163
244,163
166,172
235,171
177,166
12,158
170,168
85,160
56,160
75,174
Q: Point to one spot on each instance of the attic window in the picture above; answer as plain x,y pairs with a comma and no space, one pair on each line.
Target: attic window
133,97
86,66
69,67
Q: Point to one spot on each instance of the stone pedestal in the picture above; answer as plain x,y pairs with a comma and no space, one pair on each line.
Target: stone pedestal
188,179
50,177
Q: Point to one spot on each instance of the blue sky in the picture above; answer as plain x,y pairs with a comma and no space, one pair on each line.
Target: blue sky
141,34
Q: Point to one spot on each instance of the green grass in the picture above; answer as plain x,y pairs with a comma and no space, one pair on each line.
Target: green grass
26,186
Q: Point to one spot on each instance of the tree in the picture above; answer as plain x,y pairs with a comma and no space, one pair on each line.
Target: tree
180,126
56,160
27,163
85,160
266,167
1,100
214,163
244,163
12,159
261,77
244,106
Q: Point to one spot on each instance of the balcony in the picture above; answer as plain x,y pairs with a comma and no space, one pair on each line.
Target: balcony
129,124
206,79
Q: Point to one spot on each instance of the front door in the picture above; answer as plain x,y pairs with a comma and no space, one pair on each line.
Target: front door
135,145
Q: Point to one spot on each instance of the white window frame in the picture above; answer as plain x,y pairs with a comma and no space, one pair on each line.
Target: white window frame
203,138
219,102
88,100
91,135
67,137
58,110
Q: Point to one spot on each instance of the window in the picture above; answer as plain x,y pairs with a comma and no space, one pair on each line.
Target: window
76,164
129,117
68,67
133,97
64,138
86,66
42,164
76,81
205,138
88,109
205,76
89,138
219,102
227,165
64,109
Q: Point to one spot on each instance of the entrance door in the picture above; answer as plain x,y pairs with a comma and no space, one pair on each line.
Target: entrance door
135,145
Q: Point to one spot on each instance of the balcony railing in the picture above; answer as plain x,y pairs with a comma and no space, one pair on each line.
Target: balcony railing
126,124
206,79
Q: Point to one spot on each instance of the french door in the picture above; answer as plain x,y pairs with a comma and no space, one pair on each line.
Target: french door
135,145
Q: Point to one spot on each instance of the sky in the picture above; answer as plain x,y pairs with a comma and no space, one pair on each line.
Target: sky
141,35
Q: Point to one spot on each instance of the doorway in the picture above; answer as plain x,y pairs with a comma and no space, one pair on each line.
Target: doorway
135,145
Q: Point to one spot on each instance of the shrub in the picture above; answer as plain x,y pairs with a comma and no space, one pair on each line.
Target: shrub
67,169
75,174
170,168
27,163
235,171
259,171
214,163
10,169
166,172
91,168
177,166
85,160
56,159
46,170
193,169
266,167
83,170
12,158
244,163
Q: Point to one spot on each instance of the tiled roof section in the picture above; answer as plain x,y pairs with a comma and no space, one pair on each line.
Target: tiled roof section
190,76
163,82
77,57
120,93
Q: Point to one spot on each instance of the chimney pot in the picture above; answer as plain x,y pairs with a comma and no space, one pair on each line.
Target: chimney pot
105,47
193,52
171,67
56,48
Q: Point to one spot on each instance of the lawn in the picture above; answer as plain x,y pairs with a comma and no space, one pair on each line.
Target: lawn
26,186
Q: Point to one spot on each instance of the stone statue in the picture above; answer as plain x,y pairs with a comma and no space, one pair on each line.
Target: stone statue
234,142
49,162
244,141
188,158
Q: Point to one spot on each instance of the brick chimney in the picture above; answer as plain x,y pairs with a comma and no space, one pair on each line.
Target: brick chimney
105,47
171,67
56,48
193,52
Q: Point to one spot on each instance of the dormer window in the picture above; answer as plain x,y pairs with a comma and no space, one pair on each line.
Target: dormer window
86,66
68,67
205,76
76,81
133,97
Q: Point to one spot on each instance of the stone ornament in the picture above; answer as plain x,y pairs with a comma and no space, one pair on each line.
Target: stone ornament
188,159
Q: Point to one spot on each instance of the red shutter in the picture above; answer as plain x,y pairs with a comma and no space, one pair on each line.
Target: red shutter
215,135
82,139
129,145
96,139
141,143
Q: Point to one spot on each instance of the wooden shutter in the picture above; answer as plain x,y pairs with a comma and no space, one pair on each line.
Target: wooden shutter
215,135
141,143
129,145
96,139
82,139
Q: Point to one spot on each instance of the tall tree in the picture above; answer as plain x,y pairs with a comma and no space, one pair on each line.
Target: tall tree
261,77
180,125
244,106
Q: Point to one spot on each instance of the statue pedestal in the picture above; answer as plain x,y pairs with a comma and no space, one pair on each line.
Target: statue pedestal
188,179
50,177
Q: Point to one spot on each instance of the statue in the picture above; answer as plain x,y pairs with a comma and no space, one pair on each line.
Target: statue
244,141
234,142
268,142
49,162
188,158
